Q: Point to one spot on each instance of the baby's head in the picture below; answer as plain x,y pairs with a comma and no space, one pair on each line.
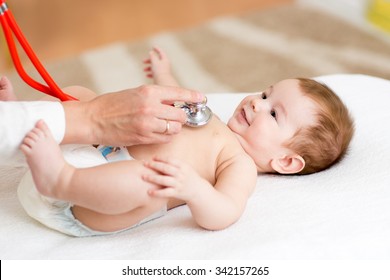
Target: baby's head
297,126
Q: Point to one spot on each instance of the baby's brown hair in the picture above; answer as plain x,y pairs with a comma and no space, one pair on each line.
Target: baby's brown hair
325,143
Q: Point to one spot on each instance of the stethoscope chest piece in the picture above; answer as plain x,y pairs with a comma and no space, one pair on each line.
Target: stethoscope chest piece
198,114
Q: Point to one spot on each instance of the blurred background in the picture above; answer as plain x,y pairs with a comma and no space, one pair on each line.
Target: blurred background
101,44
58,29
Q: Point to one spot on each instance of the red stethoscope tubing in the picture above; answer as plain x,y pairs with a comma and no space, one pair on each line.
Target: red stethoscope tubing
9,25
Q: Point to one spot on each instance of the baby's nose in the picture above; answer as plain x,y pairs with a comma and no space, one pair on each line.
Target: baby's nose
260,105
257,104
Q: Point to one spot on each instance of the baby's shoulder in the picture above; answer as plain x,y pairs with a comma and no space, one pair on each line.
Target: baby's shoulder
231,149
228,138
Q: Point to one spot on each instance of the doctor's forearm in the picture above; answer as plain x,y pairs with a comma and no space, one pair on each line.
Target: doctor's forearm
78,123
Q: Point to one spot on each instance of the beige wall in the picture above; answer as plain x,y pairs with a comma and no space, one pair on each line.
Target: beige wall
58,28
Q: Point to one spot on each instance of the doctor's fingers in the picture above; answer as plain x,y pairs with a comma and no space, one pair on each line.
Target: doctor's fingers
168,127
171,94
169,112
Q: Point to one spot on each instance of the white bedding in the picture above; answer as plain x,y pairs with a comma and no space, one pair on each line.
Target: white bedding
341,213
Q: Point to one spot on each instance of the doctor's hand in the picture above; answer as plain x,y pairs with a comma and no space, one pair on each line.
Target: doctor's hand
142,115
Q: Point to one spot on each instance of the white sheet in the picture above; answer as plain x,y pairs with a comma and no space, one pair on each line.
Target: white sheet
340,213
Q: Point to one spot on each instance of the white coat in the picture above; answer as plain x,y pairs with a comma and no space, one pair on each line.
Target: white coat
18,118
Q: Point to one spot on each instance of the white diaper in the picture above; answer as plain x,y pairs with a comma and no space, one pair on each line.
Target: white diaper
58,214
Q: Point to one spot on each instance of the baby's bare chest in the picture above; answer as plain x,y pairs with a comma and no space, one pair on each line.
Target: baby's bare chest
202,148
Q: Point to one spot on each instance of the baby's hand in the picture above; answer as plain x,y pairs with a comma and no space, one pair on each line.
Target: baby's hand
157,64
174,178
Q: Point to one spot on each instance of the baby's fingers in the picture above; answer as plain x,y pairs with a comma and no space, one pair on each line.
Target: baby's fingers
164,167
163,193
166,185
160,180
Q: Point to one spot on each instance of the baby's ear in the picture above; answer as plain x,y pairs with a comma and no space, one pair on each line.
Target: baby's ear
288,164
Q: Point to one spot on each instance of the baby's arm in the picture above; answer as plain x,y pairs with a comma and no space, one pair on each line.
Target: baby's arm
213,207
159,68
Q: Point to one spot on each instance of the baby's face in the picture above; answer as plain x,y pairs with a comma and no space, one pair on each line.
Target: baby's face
265,121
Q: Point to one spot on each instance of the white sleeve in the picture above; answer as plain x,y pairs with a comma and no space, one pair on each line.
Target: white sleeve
18,118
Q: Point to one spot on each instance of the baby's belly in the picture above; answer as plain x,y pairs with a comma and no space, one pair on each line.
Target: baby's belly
201,155
202,160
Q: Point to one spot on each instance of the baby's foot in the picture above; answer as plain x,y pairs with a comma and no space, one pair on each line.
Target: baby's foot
158,66
6,90
45,160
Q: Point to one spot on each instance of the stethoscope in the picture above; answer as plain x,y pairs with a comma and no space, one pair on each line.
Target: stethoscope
198,114
9,25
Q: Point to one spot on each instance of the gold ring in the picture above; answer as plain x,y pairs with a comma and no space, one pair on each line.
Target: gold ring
166,127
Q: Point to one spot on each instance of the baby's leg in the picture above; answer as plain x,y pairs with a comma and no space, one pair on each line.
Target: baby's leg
45,160
113,188
81,93
159,68
109,223
6,90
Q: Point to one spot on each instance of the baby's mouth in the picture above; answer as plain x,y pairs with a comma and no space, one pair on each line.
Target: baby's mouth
243,114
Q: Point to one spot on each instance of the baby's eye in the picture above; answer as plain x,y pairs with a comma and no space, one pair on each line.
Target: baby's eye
273,113
263,95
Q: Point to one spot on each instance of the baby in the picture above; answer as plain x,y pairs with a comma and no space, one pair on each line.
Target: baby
296,126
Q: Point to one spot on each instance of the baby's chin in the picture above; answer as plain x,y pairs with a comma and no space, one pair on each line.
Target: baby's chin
229,123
